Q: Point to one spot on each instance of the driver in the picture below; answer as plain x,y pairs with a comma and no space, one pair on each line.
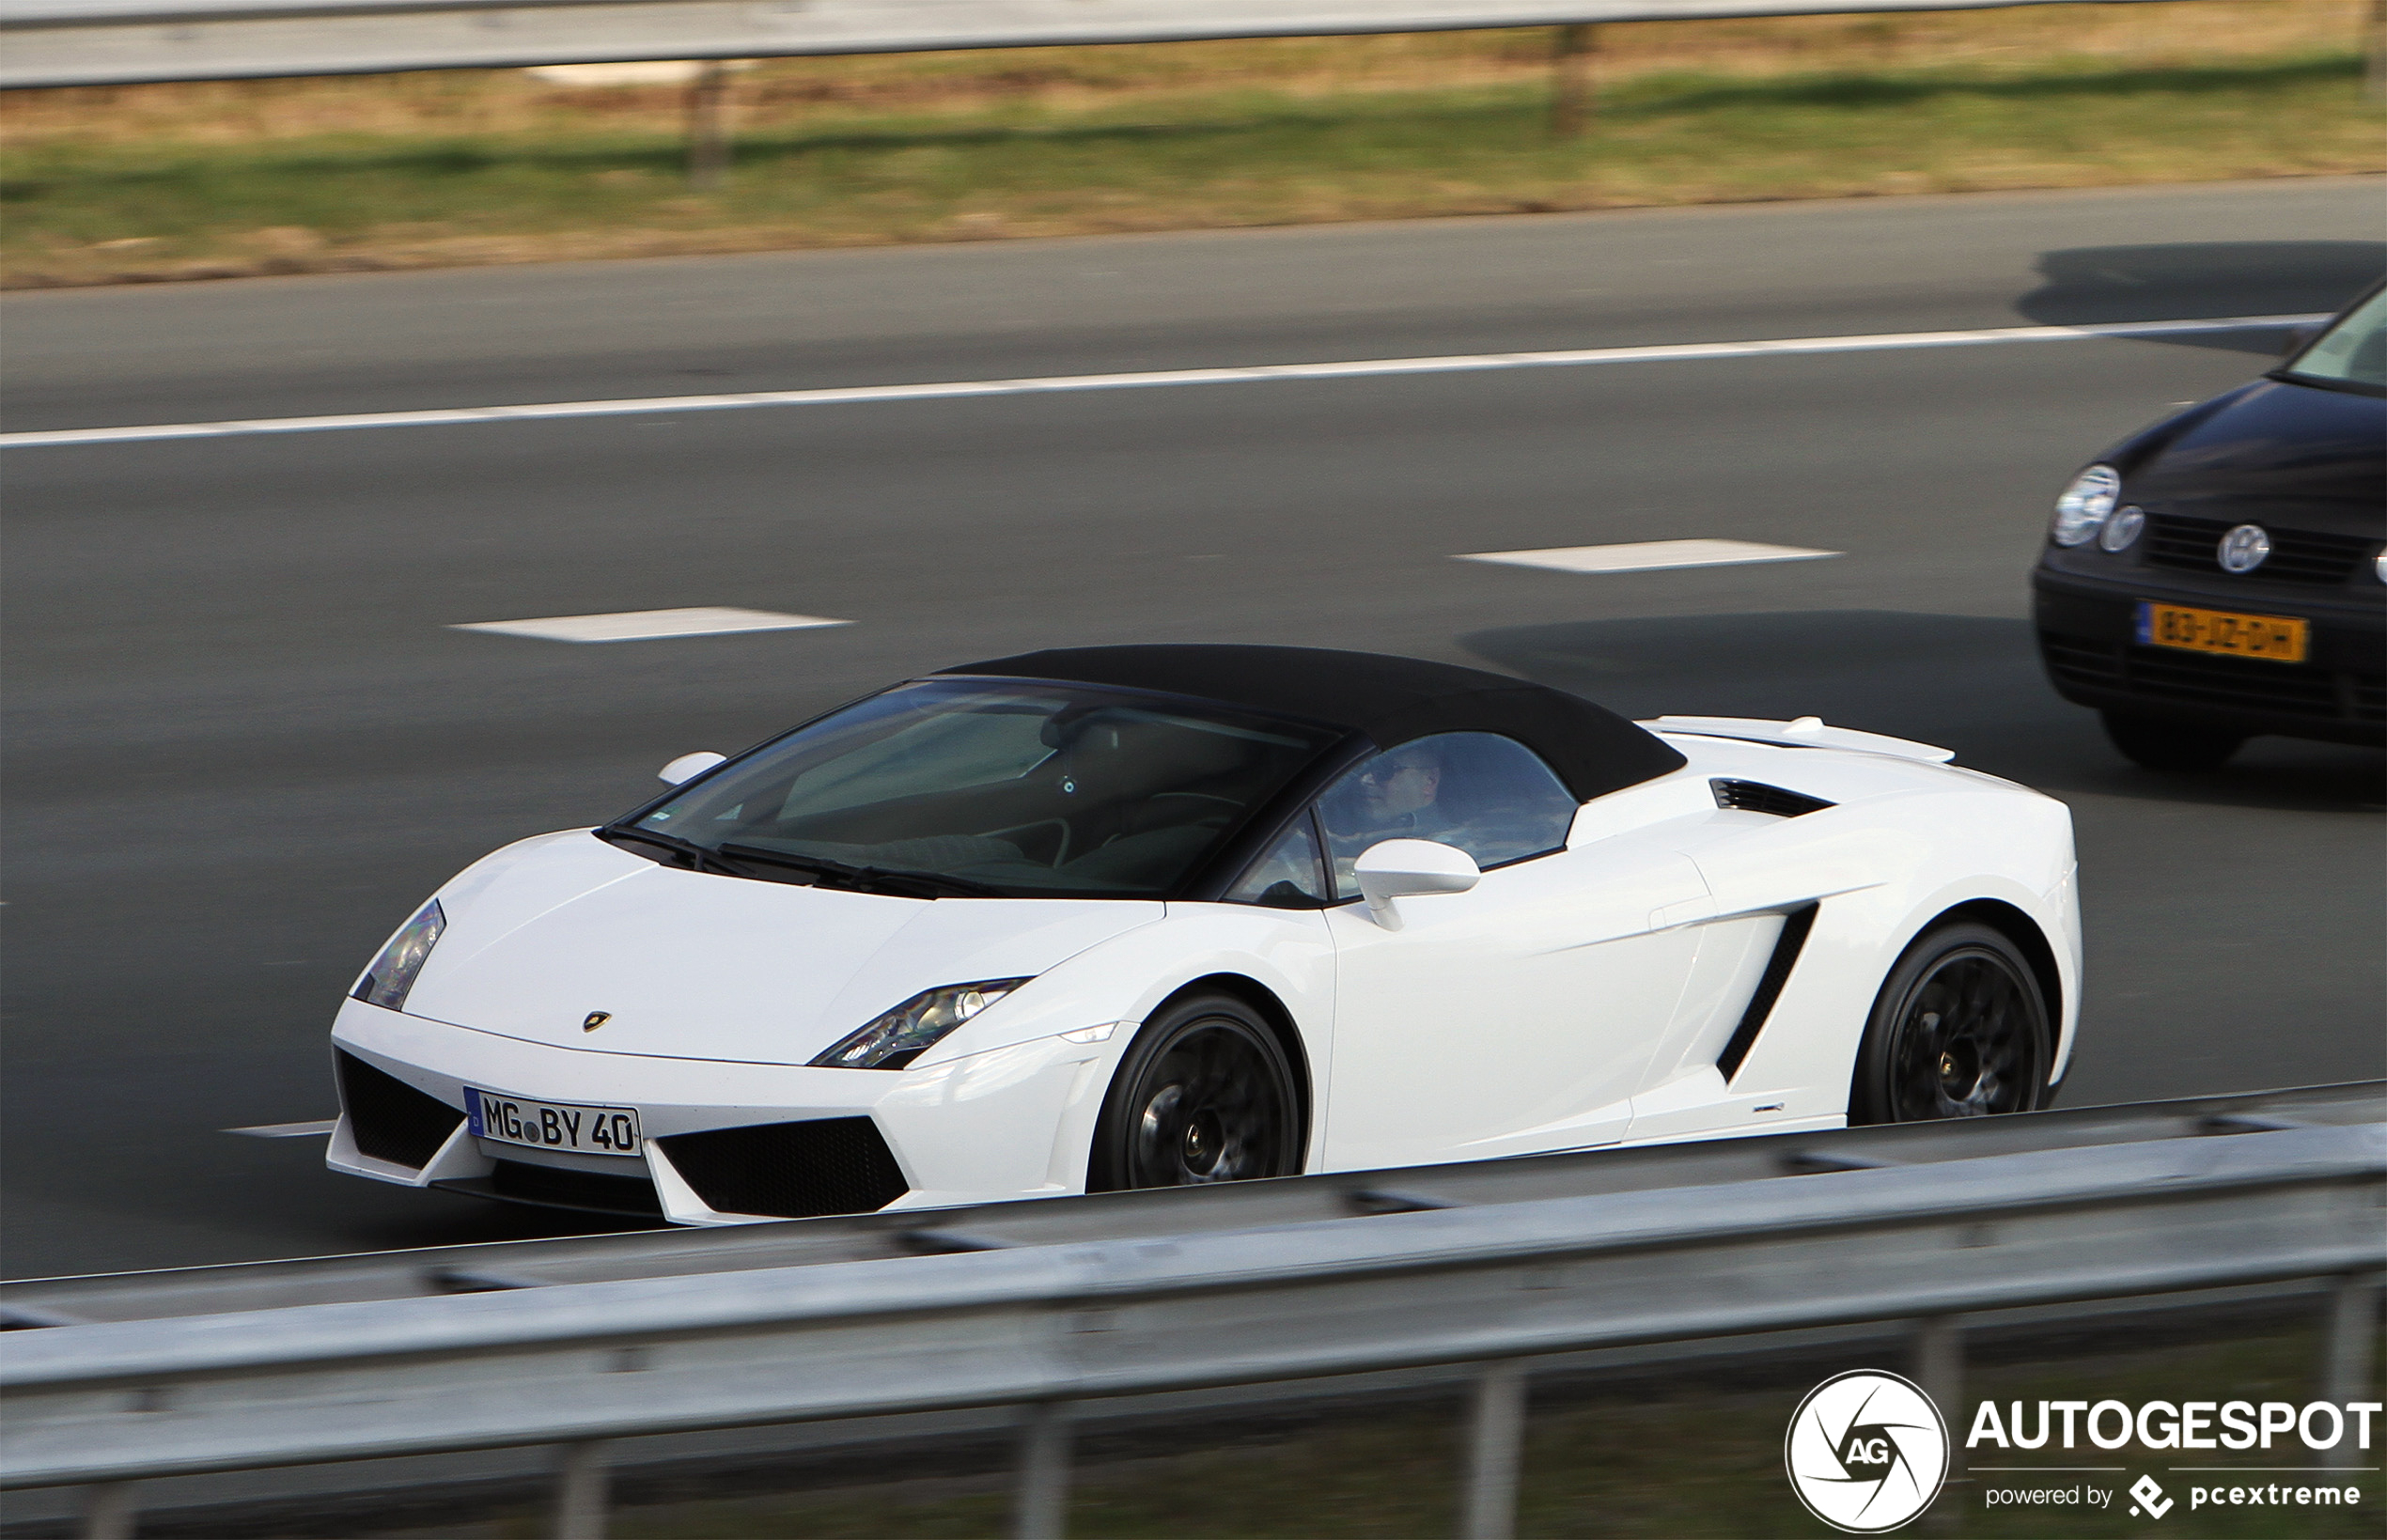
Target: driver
1392,797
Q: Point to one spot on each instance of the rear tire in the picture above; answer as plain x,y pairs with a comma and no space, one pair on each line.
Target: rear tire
2178,748
1204,1095
1959,1030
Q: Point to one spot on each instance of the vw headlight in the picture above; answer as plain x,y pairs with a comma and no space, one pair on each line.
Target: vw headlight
905,1033
2122,531
2081,510
393,972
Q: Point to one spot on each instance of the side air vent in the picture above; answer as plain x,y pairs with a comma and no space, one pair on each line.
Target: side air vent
1758,797
829,1165
1787,947
390,1119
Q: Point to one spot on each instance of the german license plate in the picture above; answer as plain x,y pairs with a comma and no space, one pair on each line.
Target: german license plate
553,1125
2280,637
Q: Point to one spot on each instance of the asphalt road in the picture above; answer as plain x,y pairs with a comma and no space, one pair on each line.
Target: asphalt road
243,742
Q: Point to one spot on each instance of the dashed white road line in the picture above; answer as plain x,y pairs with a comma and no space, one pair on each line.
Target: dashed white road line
289,1131
1146,380
1648,556
649,625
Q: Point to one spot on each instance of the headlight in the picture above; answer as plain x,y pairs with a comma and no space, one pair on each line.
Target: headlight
393,972
2379,565
2122,529
2081,510
905,1033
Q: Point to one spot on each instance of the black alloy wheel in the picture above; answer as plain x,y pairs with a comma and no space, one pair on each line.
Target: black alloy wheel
2178,748
1960,1029
1204,1095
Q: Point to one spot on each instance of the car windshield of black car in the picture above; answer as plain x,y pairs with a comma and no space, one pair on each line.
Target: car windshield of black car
2352,352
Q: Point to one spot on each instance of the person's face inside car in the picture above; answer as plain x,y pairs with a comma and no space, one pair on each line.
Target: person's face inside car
1399,787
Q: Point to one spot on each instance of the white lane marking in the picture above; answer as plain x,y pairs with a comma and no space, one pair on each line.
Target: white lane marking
1648,556
648,625
288,1131
950,389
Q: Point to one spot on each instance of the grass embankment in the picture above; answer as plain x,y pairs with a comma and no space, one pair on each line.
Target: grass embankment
296,175
1671,1466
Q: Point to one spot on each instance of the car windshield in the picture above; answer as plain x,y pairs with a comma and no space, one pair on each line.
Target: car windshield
2352,352
978,787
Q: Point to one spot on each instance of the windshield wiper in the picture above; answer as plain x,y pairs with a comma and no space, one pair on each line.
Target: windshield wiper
866,878
698,858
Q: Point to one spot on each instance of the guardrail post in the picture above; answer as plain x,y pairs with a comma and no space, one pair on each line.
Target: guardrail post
1495,1450
709,125
1570,86
2375,77
1939,1368
2345,1369
108,1511
1043,1505
581,1483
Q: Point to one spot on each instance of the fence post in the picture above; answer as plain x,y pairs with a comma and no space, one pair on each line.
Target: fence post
2375,77
1042,1511
2345,1354
1939,1368
709,125
108,1511
1570,86
1495,1450
581,1483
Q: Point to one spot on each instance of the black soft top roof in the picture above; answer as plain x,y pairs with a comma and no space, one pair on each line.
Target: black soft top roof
1391,700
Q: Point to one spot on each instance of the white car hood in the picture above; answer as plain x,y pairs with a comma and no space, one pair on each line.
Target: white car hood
692,966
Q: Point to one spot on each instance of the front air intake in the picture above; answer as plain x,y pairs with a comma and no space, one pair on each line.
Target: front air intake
1758,797
389,1119
830,1165
590,1191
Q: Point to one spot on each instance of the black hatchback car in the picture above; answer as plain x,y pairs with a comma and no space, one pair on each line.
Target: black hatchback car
2223,573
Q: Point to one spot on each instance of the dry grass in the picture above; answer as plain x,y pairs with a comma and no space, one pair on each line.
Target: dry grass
1649,1462
792,92
218,179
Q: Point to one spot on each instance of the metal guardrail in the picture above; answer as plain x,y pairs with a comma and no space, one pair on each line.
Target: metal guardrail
1167,1213
104,42
1043,1326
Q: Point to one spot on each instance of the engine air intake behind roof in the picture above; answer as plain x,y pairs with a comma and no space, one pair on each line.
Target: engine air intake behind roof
1758,797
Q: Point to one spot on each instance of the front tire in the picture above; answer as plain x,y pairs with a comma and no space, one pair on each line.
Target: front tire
2176,748
1960,1029
1204,1095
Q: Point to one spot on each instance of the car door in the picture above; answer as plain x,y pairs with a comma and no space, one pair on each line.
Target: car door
1514,1017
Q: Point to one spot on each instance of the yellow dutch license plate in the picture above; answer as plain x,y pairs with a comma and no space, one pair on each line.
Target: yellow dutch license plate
2282,639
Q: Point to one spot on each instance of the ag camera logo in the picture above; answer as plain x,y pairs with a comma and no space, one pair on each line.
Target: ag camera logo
1866,1451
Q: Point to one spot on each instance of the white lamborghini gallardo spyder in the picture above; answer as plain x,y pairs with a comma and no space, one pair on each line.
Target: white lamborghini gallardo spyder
1139,916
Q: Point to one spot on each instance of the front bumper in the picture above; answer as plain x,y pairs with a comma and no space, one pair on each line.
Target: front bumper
2088,634
725,1143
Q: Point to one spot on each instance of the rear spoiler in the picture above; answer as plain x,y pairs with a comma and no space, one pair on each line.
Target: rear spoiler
1802,733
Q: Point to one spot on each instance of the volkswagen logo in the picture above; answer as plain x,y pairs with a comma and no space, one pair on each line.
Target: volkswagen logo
1867,1452
595,1020
2242,550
